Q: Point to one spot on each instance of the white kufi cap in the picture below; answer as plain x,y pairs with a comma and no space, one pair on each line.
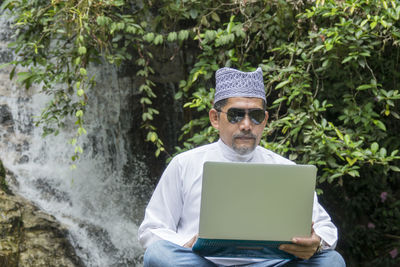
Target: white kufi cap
234,83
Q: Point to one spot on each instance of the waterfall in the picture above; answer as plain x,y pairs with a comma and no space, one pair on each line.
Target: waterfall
99,202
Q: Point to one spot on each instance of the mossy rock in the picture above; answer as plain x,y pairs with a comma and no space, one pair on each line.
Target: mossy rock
3,183
2,170
9,254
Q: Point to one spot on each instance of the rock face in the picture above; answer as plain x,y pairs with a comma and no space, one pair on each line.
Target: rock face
29,237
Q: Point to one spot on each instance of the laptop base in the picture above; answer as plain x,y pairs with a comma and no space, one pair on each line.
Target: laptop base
240,249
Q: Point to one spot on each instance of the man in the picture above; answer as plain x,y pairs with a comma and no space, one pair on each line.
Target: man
171,221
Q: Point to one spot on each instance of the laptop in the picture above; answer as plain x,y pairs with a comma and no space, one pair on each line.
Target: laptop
249,209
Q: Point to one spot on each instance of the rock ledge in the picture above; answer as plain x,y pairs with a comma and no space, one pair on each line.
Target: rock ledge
30,237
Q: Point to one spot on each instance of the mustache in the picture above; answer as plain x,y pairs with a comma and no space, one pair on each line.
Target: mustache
244,135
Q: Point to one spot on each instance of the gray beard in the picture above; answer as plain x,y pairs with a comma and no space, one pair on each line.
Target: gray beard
243,150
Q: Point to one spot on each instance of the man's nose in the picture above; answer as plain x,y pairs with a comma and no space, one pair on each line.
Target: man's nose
245,124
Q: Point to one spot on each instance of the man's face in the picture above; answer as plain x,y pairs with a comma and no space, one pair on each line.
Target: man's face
242,136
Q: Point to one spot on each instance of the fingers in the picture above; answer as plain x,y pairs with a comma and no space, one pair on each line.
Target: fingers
302,247
303,252
313,240
191,242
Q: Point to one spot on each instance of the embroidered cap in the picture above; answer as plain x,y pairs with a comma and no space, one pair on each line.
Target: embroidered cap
234,83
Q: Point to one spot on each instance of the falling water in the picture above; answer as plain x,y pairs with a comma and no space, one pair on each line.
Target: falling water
96,201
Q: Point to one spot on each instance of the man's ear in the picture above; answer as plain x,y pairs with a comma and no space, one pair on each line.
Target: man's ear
213,115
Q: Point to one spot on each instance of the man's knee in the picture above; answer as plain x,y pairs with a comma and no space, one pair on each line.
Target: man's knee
164,254
156,254
333,258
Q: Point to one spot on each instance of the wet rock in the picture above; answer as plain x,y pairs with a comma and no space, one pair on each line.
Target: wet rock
29,237
5,115
6,55
50,191
23,159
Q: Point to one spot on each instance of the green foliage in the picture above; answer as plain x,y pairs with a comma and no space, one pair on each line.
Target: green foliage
56,41
331,73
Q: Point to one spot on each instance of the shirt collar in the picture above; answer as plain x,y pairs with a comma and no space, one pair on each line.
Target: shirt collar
231,155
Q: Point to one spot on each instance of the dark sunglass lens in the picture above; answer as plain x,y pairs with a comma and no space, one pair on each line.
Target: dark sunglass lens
235,115
257,116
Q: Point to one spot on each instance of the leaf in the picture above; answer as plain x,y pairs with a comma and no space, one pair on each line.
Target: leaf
328,46
354,173
82,50
158,40
12,73
346,139
230,25
77,61
193,13
363,22
153,137
318,48
215,17
385,4
380,125
149,37
338,133
81,131
23,76
145,100
282,84
364,87
374,147
279,100
396,115
101,20
178,95
347,59
383,152
172,36
131,29
78,149
357,154
157,153
79,113
351,161
83,71
330,179
183,35
395,168
204,21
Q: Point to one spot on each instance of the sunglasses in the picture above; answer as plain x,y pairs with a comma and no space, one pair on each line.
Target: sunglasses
236,115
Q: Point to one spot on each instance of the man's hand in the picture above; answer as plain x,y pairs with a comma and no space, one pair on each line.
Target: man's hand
303,247
191,242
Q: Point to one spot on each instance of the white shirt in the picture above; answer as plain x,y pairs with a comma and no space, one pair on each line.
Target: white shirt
174,209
